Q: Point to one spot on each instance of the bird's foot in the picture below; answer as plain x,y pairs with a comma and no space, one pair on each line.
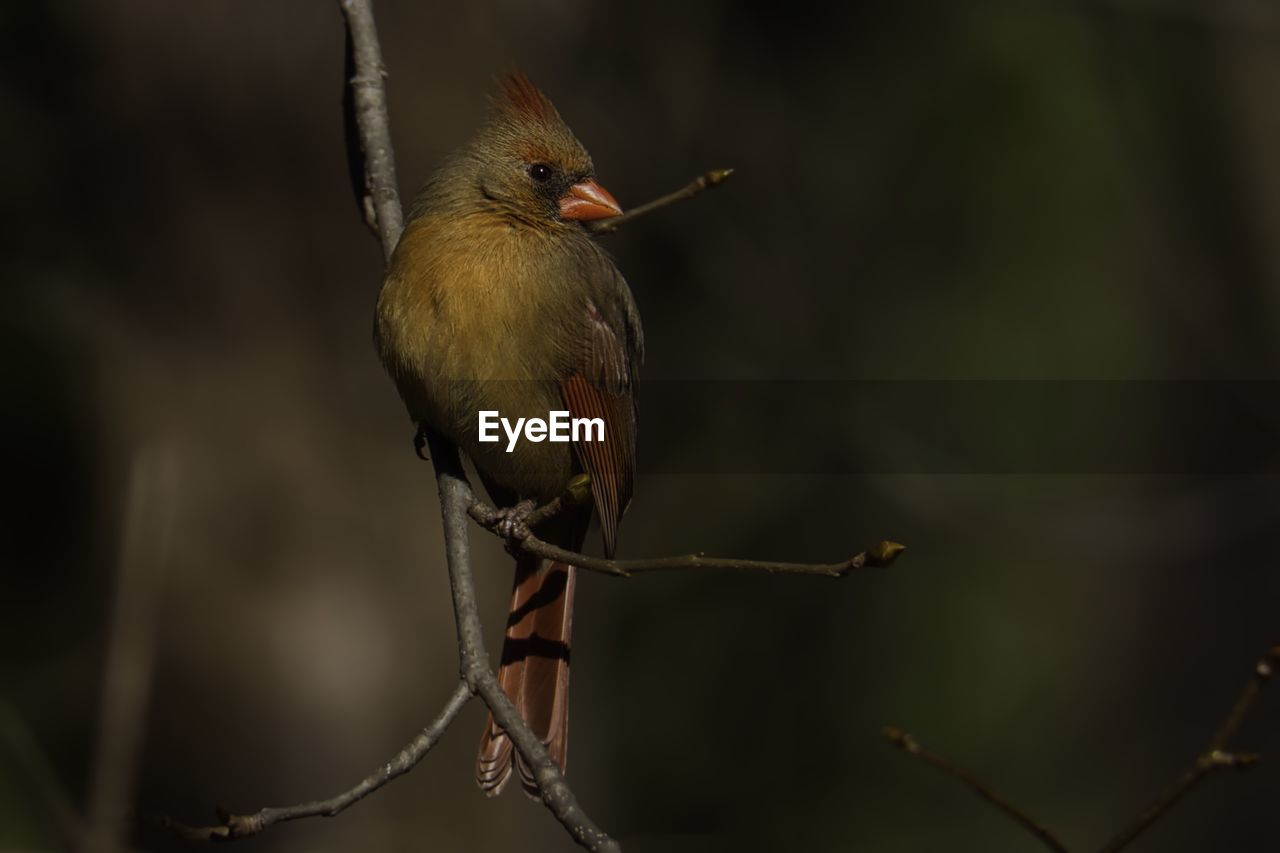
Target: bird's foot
510,523
577,490
420,442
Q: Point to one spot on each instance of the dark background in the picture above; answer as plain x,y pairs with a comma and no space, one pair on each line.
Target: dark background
978,191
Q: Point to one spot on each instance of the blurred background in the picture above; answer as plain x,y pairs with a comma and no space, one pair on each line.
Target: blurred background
929,198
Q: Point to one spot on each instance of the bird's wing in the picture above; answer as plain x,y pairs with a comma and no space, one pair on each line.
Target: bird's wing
603,386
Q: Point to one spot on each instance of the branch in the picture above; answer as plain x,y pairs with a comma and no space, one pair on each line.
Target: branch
879,555
1213,758
521,536
703,182
367,111
242,826
908,744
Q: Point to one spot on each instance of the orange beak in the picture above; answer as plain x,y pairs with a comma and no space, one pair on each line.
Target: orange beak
588,200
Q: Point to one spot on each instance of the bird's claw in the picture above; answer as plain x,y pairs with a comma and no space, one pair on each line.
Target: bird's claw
510,523
420,442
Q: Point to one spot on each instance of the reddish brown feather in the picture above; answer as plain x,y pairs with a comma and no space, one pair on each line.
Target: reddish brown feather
526,100
610,462
534,672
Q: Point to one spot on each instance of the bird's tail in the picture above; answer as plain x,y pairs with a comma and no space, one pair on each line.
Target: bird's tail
534,672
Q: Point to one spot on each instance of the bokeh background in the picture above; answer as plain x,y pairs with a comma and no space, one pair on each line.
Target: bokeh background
943,192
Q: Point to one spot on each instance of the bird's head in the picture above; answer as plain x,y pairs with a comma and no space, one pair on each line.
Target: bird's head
528,160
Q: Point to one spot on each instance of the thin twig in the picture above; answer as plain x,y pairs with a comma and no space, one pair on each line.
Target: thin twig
908,744
1262,673
242,826
703,182
1213,758
879,555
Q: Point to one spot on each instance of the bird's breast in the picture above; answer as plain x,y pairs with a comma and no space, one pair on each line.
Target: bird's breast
481,302
479,318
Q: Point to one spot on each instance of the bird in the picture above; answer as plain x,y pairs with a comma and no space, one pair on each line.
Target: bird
497,298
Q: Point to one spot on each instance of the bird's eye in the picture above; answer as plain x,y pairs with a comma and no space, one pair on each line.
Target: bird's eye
540,172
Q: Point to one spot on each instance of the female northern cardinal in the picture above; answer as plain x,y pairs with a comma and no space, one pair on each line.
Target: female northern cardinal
498,299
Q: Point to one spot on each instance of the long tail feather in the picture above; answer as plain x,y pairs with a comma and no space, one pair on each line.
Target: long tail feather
534,671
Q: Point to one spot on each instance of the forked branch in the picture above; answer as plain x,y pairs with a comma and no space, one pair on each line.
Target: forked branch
1215,757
